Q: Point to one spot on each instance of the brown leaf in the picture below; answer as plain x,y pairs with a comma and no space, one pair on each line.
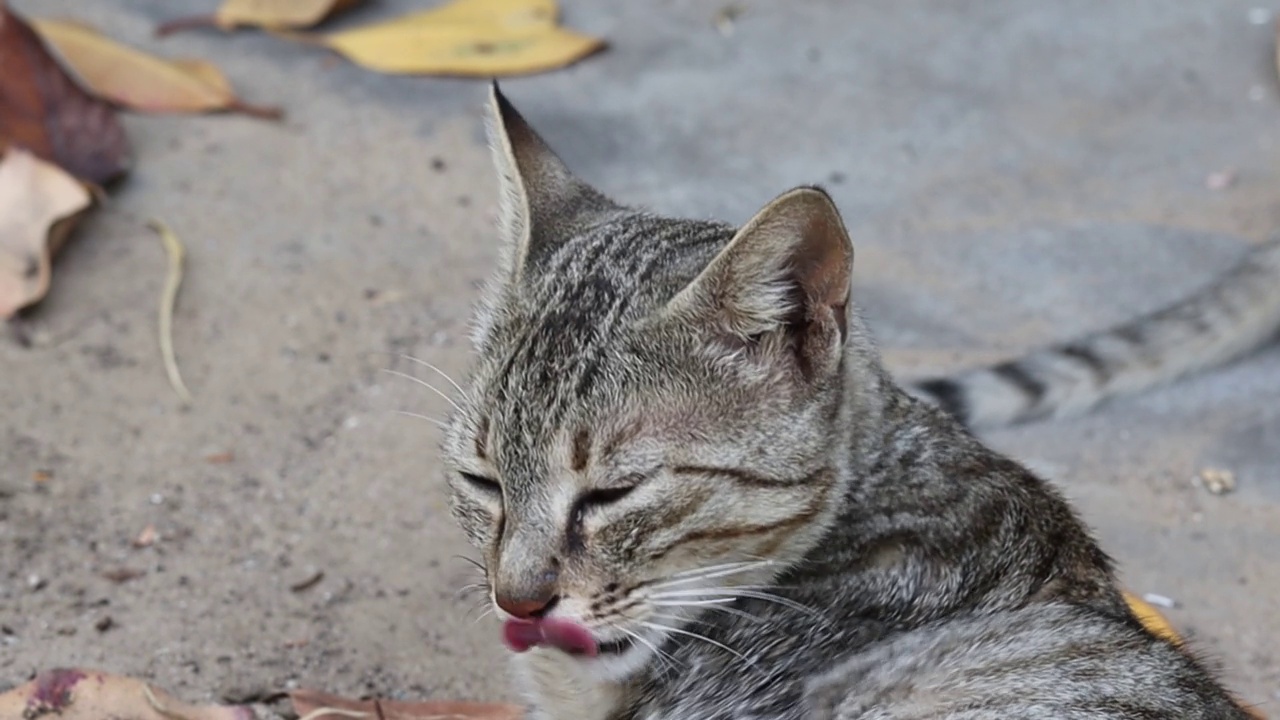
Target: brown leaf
311,703
79,694
139,81
272,14
39,205
43,109
475,38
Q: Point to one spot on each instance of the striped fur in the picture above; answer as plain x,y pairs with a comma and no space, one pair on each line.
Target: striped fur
1233,316
679,437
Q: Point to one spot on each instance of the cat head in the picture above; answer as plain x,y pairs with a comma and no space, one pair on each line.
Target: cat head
655,406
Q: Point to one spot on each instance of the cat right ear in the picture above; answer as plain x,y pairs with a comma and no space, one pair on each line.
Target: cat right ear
542,203
782,282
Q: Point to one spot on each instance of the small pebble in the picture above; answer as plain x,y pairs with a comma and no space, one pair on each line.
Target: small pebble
147,537
1215,480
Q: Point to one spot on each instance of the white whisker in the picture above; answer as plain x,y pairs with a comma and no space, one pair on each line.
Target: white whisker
433,421
711,574
424,384
679,618
718,605
747,592
469,589
665,657
714,568
693,603
438,371
663,628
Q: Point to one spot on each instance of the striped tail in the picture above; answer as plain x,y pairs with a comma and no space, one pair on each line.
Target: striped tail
1234,316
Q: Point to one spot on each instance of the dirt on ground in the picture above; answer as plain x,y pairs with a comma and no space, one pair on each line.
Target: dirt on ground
1011,174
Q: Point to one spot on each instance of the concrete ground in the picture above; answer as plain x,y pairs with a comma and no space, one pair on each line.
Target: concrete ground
1012,172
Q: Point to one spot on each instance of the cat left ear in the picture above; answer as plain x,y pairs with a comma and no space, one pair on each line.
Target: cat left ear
541,201
784,275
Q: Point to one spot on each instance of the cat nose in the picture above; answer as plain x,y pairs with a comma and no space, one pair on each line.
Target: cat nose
527,608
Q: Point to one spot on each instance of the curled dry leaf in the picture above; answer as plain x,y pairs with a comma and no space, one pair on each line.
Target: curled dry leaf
139,81
39,205
78,694
271,14
478,38
43,110
314,705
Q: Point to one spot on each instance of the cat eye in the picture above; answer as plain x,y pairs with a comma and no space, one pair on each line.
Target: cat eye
606,496
482,483
601,497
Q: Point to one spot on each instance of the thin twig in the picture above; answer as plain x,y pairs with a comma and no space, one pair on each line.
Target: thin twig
169,298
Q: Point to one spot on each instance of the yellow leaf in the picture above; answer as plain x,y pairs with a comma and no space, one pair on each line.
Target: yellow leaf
137,80
271,14
278,13
1156,623
1151,618
479,38
39,203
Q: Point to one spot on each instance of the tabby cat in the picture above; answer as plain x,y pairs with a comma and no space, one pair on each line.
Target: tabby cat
700,496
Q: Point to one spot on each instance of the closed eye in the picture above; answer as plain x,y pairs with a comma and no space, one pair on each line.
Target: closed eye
606,496
482,483
601,497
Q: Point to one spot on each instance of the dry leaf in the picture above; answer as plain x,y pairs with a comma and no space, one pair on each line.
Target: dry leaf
39,204
271,14
75,694
479,38
43,109
311,704
1151,618
1155,622
139,81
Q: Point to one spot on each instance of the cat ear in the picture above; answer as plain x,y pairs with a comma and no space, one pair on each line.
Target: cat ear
541,201
784,276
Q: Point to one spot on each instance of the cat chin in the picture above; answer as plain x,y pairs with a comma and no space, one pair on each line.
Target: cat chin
607,668
616,667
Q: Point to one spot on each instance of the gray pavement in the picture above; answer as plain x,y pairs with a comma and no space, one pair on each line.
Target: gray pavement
1012,173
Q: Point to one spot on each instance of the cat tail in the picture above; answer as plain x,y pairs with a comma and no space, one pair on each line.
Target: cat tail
1235,315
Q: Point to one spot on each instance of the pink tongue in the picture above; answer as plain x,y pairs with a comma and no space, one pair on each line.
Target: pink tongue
520,635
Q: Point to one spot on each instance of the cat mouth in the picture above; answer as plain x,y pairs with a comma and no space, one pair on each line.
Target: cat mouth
564,635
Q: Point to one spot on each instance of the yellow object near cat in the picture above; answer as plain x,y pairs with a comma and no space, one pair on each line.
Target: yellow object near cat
1152,620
